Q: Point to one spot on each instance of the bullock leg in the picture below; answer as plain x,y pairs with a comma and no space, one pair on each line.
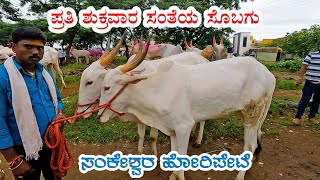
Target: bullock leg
57,68
173,140
141,133
53,72
182,135
87,60
154,137
193,132
253,117
266,109
197,144
250,138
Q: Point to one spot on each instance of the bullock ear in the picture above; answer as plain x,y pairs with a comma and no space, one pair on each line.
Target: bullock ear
136,72
138,80
133,79
103,72
165,66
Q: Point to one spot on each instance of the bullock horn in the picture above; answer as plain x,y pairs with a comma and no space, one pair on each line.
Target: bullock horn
107,48
221,42
141,43
106,59
185,43
136,61
214,42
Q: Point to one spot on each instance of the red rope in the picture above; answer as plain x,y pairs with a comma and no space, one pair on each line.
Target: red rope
61,157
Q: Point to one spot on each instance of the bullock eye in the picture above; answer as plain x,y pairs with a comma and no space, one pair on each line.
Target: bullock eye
106,88
89,83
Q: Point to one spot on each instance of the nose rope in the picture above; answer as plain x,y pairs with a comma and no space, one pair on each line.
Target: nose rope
61,157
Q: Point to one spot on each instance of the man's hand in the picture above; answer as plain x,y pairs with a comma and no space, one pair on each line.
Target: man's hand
299,81
60,115
24,169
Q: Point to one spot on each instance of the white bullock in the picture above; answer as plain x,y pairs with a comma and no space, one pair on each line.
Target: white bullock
211,52
80,53
155,51
90,85
50,61
6,50
3,57
176,96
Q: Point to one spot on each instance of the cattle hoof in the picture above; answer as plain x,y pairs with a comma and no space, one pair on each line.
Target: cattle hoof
173,176
139,152
196,145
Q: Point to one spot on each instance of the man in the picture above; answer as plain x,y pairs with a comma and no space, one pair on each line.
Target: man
61,56
311,67
29,102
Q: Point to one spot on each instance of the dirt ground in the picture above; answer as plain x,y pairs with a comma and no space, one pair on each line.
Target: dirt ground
293,154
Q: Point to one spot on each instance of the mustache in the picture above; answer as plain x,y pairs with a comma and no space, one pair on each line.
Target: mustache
34,57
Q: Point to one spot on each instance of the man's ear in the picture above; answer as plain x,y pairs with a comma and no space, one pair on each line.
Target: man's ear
14,47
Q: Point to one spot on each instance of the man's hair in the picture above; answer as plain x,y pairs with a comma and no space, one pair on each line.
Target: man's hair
24,33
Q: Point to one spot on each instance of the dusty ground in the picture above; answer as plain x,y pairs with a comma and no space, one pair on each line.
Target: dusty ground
294,154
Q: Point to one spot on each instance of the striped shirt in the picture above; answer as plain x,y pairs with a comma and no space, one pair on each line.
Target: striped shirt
312,60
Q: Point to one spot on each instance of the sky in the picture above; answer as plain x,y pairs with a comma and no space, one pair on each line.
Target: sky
282,16
279,17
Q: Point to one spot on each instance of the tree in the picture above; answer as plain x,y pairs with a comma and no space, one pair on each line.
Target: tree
300,42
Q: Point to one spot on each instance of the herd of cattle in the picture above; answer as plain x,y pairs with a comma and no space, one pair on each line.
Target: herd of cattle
174,92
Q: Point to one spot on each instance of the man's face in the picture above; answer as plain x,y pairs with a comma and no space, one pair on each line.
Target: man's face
29,51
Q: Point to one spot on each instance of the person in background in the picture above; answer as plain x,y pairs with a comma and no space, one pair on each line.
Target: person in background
61,56
30,101
311,67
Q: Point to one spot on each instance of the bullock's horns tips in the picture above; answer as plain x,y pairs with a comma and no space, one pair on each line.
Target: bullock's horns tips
214,40
141,41
221,41
106,59
185,43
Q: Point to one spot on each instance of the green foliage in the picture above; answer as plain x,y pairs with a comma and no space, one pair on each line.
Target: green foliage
287,84
277,106
230,126
287,66
91,130
72,79
300,42
120,60
73,66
